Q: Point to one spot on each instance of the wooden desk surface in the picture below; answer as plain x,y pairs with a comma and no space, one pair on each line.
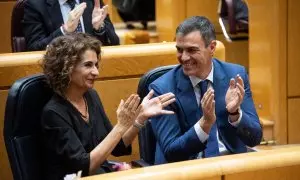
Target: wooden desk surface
214,168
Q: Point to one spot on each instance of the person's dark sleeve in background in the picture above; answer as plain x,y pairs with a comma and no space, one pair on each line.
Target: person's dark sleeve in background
36,36
107,34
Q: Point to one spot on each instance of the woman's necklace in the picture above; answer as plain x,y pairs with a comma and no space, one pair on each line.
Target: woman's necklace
86,116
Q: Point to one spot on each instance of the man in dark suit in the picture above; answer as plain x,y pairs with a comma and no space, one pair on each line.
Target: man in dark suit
135,10
46,19
214,110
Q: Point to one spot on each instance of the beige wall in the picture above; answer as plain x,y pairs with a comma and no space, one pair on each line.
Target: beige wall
5,19
275,63
293,69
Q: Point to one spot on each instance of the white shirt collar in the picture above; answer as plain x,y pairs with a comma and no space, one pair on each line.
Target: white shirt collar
195,80
62,2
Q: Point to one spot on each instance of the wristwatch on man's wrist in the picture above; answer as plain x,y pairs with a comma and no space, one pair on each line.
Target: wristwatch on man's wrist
234,113
101,30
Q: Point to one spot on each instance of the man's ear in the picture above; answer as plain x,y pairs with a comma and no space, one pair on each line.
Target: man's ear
212,46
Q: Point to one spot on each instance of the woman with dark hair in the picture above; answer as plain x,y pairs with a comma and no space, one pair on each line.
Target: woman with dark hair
77,134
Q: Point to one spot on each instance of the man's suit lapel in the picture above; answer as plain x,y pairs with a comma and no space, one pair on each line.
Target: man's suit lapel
219,85
186,94
187,99
54,14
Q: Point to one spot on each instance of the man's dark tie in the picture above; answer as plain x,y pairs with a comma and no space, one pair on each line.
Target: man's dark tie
203,87
212,147
72,4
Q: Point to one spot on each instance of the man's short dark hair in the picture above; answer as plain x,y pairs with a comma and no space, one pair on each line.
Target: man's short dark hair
197,23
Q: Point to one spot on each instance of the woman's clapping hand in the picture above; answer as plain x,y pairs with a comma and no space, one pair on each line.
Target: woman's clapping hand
151,107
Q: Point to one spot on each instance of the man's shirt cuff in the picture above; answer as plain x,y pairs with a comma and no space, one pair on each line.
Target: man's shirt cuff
62,30
200,133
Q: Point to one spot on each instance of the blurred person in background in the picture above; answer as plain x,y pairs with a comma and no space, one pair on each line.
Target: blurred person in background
45,20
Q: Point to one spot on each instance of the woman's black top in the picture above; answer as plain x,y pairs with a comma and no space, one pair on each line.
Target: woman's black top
68,139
